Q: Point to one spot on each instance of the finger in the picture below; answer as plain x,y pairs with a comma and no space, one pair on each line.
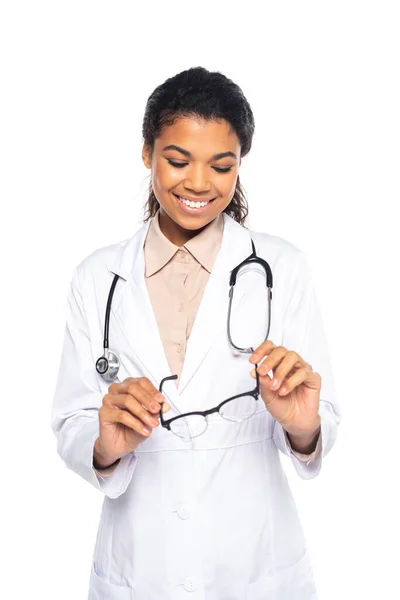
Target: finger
151,389
261,351
153,404
283,366
159,398
274,359
133,406
116,388
143,390
310,378
114,415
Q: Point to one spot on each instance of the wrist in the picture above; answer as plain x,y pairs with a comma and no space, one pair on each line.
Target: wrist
304,432
100,459
304,441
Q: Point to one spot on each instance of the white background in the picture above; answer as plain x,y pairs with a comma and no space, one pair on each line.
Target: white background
323,82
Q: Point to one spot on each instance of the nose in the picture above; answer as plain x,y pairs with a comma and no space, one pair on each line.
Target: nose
197,180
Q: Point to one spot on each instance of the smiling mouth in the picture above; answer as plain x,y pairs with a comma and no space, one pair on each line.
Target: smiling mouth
193,204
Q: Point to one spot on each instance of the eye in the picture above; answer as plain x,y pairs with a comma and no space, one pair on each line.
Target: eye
223,170
181,165
178,165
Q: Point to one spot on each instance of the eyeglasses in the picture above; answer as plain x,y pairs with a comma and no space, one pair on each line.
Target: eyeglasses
236,408
192,424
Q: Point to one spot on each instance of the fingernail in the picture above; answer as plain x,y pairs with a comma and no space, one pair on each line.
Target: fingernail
146,431
159,396
155,406
254,358
274,383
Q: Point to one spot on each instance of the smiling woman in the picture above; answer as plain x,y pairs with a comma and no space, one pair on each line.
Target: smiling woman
191,193
194,147
196,501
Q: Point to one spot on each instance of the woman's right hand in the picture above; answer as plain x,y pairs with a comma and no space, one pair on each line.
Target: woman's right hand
127,417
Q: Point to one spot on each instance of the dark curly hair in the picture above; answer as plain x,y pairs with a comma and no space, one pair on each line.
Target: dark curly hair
211,96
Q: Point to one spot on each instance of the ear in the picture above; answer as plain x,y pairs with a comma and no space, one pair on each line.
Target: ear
146,156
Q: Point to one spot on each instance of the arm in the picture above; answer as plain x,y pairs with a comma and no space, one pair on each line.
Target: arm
303,331
303,444
77,400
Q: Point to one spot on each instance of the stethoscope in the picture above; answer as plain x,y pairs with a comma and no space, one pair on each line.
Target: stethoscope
108,365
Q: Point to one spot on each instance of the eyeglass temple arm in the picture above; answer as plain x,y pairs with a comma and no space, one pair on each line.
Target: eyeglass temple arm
160,390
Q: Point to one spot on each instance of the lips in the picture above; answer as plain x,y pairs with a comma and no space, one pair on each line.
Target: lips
193,210
194,199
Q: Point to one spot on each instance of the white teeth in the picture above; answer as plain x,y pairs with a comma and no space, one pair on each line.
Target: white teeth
192,204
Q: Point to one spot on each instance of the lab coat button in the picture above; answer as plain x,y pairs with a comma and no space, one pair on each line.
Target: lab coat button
191,584
183,512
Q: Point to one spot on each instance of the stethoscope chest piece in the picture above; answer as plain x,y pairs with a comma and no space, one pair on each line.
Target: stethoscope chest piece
108,365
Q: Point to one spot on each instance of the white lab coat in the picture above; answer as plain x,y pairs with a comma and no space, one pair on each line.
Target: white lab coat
211,518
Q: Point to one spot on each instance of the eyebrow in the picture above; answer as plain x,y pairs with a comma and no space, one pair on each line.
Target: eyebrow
188,154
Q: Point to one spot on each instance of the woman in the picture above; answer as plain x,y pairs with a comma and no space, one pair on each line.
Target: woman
195,506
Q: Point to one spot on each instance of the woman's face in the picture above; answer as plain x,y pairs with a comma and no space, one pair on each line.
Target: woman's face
184,164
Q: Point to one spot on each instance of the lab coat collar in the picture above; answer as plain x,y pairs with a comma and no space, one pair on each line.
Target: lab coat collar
134,315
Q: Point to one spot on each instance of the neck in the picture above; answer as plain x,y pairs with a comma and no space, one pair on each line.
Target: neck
174,232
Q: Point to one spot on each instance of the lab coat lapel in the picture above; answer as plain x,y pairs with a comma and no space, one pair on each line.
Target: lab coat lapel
133,312
211,317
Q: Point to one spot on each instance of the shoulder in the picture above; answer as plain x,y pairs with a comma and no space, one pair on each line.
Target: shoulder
289,264
279,249
99,261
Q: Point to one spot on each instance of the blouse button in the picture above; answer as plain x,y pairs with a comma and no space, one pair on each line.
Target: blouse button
178,347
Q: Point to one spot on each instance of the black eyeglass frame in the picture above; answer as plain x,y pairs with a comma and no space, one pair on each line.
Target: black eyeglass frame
253,258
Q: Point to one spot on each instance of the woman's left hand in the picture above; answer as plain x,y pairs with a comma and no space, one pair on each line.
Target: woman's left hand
292,396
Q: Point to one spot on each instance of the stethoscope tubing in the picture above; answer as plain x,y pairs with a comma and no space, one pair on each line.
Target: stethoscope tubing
108,365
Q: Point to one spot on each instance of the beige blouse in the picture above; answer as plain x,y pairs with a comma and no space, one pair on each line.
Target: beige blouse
176,278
